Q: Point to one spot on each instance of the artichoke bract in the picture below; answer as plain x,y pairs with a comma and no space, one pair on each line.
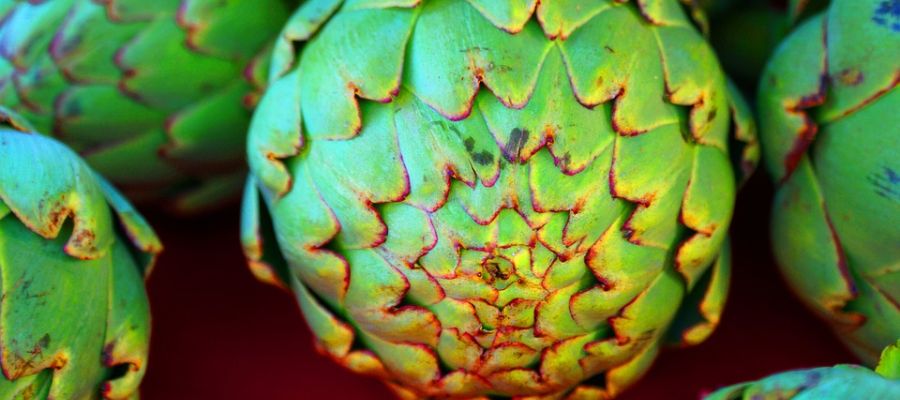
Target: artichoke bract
74,316
155,95
830,131
479,198
841,382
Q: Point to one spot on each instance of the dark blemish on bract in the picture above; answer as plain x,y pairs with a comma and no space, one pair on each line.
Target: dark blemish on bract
609,49
446,126
566,160
811,379
887,14
517,139
886,183
29,392
474,48
45,341
494,270
483,158
85,237
454,129
892,176
73,108
62,45
503,68
712,115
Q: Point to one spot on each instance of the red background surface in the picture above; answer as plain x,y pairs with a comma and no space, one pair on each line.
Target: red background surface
219,334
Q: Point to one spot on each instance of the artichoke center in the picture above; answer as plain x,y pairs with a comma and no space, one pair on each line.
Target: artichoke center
498,271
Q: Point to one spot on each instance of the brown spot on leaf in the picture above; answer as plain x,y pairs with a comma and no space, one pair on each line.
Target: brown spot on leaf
470,144
517,139
494,270
712,115
44,342
850,77
55,217
483,157
108,358
28,393
565,161
84,237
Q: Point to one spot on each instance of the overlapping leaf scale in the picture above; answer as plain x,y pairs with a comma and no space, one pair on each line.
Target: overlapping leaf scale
702,309
95,81
799,202
302,24
827,123
560,18
856,219
615,56
511,16
744,141
854,79
334,69
74,306
786,127
519,238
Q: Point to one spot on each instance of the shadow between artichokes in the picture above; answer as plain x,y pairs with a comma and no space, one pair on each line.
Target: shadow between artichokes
509,199
74,318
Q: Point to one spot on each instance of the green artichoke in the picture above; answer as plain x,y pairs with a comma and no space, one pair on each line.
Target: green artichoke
830,131
496,198
155,95
74,318
841,382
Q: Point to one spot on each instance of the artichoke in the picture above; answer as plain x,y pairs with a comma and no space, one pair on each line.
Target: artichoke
841,382
830,133
74,318
496,198
155,95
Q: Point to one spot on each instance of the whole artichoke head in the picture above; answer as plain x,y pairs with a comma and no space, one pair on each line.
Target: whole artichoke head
841,382
74,318
155,95
479,198
828,106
